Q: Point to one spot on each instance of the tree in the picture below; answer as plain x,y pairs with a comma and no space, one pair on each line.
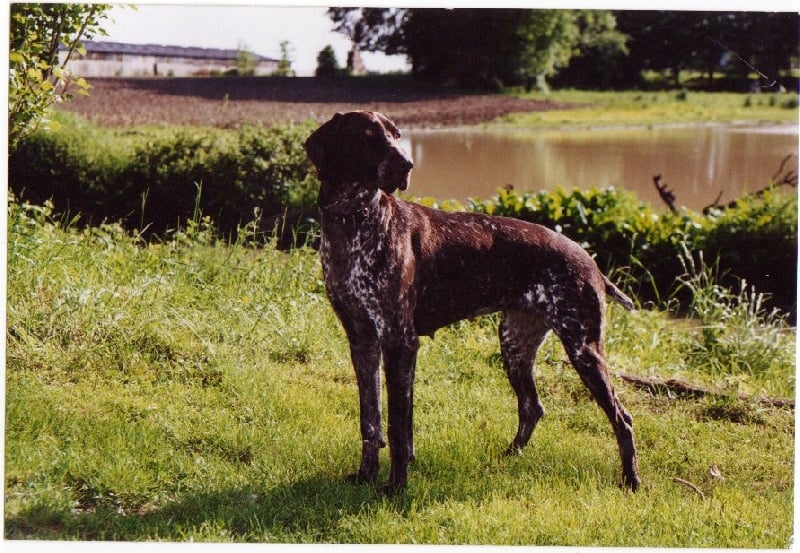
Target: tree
548,40
468,47
742,43
285,63
600,58
327,65
371,29
478,47
766,42
38,78
669,41
245,62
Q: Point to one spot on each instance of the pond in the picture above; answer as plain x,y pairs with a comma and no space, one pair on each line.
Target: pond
697,163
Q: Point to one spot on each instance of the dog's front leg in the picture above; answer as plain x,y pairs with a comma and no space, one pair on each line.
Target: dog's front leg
365,355
400,358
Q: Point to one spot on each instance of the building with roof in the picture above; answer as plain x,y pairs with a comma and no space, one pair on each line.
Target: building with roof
117,59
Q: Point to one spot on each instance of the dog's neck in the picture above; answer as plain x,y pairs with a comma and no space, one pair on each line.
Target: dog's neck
351,204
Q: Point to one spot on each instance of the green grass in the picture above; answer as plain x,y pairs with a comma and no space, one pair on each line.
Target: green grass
636,108
197,390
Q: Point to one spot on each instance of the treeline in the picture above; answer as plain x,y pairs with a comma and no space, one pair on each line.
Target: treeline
494,48
256,182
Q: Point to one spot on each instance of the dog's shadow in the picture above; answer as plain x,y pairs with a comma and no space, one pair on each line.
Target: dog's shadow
302,511
315,509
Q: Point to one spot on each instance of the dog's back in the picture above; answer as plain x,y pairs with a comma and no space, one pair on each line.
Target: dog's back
469,264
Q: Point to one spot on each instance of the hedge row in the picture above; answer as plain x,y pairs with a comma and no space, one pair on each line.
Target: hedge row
755,239
160,178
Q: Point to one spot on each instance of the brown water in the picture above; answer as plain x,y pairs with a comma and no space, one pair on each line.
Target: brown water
697,163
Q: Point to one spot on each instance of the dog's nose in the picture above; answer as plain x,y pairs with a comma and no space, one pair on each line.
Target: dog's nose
407,164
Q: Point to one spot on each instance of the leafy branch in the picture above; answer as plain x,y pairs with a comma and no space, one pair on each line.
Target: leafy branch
38,77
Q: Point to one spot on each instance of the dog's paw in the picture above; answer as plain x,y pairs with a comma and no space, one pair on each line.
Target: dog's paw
359,478
631,482
392,490
512,451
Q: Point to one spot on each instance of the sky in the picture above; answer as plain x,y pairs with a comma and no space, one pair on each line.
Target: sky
261,25
257,28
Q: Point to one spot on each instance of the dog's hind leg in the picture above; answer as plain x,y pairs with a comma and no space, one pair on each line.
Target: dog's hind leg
590,363
581,332
521,334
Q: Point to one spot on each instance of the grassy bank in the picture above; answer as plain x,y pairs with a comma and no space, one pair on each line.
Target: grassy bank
198,390
638,108
157,178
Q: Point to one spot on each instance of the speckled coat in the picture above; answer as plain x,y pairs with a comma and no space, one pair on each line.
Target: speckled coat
395,271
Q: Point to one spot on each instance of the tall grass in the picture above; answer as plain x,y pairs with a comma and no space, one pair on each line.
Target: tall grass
200,390
737,336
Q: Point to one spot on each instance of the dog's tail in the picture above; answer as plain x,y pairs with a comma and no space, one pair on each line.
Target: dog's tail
616,294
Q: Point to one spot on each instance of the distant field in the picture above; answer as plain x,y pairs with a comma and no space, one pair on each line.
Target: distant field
232,102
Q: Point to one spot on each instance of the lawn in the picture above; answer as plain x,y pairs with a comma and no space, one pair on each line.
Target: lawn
192,389
640,108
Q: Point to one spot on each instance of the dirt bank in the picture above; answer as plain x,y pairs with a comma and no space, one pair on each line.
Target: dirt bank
232,102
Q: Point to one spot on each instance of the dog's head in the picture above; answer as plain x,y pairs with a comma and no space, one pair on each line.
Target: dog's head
360,147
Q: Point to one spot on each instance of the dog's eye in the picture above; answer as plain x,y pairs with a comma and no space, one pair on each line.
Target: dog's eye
369,132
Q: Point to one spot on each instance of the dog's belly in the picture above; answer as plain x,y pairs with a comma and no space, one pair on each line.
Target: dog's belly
466,294
428,321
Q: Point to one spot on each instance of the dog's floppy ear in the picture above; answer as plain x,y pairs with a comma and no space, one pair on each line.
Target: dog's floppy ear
388,124
319,143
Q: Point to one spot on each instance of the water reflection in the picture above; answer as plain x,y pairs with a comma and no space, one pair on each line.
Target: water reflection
696,163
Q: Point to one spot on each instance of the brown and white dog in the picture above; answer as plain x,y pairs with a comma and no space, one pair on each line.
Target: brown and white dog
395,271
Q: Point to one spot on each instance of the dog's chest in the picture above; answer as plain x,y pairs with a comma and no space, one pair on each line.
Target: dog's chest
354,269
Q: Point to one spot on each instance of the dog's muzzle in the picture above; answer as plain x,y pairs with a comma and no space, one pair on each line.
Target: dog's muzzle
395,171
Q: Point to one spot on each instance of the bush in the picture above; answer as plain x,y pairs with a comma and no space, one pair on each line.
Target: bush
159,179
73,165
755,239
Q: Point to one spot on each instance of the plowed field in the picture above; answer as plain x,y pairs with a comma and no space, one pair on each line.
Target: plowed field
232,102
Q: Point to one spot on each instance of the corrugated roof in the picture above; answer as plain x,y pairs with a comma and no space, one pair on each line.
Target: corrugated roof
161,50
